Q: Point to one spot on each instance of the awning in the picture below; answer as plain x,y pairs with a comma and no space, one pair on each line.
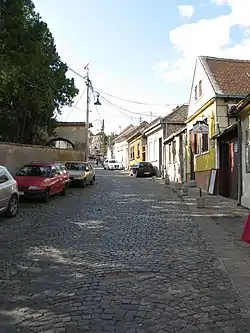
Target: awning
225,132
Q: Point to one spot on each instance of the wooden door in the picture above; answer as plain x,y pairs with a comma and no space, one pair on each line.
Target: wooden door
224,169
191,154
233,169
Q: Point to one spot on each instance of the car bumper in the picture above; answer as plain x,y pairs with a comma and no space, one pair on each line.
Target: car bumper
74,180
115,168
31,194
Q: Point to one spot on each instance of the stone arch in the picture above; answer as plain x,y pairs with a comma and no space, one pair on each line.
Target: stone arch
51,141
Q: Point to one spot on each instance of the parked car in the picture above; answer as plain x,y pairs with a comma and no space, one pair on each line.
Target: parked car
41,181
142,169
113,165
8,193
81,173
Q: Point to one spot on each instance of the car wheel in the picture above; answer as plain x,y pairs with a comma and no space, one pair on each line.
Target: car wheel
46,195
64,190
12,206
83,183
92,181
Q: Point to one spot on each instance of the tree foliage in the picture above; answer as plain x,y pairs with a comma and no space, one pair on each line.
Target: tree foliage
33,82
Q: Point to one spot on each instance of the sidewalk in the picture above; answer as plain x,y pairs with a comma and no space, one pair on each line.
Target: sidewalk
222,223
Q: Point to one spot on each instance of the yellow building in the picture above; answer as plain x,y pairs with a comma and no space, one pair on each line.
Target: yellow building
217,85
137,144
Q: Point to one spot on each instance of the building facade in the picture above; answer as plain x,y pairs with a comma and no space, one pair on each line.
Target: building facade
212,93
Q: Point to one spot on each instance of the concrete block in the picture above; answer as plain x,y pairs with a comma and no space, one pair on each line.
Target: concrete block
167,182
200,202
192,183
184,190
177,186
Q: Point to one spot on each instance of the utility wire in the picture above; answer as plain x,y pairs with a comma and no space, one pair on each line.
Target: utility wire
130,101
75,106
126,110
119,110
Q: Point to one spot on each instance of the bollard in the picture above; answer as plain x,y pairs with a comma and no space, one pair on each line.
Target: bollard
177,186
154,178
200,202
184,191
167,182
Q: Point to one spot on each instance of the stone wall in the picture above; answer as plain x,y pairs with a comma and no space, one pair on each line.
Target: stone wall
15,156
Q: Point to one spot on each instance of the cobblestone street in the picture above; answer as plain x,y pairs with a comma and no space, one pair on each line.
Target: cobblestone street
121,256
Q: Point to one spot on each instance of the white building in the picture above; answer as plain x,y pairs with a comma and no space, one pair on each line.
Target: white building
157,131
120,147
175,146
154,134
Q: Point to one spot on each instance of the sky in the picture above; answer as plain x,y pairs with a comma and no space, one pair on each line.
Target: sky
141,51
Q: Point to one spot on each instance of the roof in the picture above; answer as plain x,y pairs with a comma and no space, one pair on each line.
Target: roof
178,115
235,110
153,124
229,77
172,136
138,129
124,134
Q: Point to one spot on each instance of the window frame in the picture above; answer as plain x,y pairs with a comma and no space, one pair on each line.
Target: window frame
200,88
196,93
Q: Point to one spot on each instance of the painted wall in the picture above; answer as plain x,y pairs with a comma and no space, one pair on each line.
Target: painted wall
153,147
207,160
15,156
121,152
174,167
207,89
245,199
76,134
135,144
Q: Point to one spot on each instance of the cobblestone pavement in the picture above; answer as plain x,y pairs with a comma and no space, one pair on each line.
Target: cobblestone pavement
120,256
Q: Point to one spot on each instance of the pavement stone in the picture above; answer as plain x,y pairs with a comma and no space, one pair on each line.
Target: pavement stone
124,255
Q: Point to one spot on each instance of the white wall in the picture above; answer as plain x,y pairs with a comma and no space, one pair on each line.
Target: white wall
207,89
173,168
153,147
245,199
121,152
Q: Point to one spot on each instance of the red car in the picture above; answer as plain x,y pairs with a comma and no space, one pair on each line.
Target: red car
41,180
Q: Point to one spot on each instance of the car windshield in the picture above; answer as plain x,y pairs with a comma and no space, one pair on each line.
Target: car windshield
35,171
144,164
113,161
76,166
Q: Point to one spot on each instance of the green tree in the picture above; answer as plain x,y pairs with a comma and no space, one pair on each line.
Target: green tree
33,82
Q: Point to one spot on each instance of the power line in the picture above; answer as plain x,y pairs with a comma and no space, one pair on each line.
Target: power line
120,111
126,110
136,102
75,106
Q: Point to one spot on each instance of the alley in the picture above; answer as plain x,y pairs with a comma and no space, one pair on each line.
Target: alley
121,256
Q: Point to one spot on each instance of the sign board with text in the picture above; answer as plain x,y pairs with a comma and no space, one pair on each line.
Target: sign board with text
201,127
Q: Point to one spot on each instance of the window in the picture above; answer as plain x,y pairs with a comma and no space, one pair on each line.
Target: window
3,176
247,152
34,171
204,143
138,150
76,166
196,143
195,93
132,153
200,88
169,153
53,171
201,143
174,151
